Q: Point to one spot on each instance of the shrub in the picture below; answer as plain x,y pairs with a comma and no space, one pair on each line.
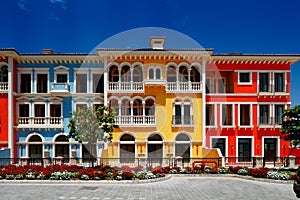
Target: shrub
243,172
223,171
157,170
259,173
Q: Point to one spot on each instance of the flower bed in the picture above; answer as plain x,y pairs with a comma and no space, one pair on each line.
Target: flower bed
259,173
74,172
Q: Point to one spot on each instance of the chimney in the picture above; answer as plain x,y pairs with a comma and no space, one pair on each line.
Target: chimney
47,51
157,42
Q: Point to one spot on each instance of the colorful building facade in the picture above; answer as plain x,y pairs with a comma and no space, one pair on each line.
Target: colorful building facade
168,103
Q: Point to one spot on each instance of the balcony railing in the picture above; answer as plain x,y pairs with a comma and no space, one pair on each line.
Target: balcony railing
180,120
3,86
270,121
125,86
40,122
135,120
184,86
61,88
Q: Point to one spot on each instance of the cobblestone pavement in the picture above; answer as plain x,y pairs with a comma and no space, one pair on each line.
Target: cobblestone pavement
181,188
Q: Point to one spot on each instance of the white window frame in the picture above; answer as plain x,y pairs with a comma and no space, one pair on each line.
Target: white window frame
237,145
41,71
25,71
226,143
215,115
263,144
56,103
232,117
251,118
81,71
271,114
93,72
245,83
61,70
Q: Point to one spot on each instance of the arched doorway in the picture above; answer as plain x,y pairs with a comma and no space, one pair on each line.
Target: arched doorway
35,148
62,147
155,148
127,149
183,147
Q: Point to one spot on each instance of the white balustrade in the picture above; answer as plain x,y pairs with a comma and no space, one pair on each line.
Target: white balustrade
184,86
125,86
135,120
3,86
40,121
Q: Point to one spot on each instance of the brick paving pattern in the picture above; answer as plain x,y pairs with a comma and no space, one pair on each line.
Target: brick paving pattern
176,188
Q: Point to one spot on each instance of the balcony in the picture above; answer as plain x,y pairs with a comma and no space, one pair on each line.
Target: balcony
127,120
125,86
60,89
40,122
3,87
180,120
184,86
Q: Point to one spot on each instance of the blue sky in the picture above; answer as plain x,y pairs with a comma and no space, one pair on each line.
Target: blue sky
248,26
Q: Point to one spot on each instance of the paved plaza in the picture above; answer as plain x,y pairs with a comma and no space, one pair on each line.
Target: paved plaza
186,188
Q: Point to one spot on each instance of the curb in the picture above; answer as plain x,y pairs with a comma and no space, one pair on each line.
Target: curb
167,177
85,182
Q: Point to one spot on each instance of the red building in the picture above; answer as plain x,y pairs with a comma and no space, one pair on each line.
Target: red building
245,97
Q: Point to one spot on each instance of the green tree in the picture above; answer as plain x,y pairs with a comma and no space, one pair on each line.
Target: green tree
290,127
92,125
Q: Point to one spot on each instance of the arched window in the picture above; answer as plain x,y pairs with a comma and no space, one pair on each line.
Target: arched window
151,73
183,74
35,148
127,149
183,147
4,73
195,75
137,107
157,73
61,146
171,74
149,107
115,106
125,107
125,74
137,74
155,148
113,74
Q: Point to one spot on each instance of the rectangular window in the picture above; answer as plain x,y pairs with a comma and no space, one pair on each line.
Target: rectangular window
81,83
25,86
227,115
245,115
264,82
81,106
278,112
210,115
42,83
222,85
24,110
210,86
244,149
270,149
55,110
61,78
177,114
187,114
98,83
279,82
39,110
264,115
244,77
219,143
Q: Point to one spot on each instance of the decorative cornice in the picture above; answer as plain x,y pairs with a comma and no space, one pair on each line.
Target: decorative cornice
254,59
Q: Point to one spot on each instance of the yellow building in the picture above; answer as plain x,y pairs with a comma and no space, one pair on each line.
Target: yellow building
157,96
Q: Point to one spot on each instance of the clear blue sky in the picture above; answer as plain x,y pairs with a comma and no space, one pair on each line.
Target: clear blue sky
247,26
